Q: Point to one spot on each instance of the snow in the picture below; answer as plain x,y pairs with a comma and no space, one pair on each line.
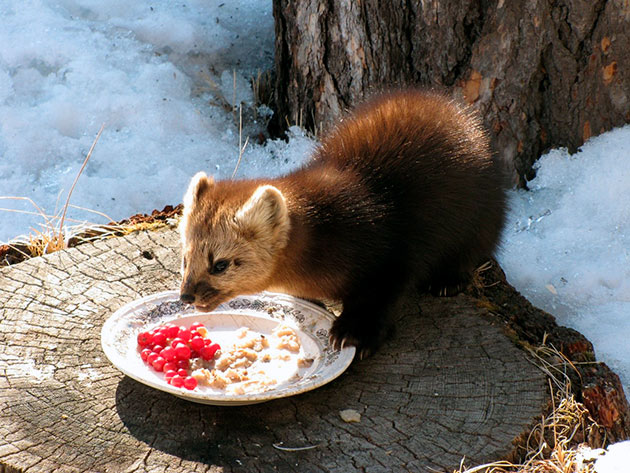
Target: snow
615,459
160,75
567,243
151,74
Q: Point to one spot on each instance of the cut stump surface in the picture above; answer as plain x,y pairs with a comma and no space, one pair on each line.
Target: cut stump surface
449,384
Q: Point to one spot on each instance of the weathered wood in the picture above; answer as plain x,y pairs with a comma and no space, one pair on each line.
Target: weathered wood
448,384
593,383
543,74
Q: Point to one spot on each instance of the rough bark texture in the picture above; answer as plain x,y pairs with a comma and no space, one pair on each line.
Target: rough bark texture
450,383
542,73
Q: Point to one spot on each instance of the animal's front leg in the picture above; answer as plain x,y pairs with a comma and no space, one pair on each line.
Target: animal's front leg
363,321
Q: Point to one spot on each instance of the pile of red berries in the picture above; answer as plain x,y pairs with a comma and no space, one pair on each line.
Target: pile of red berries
169,348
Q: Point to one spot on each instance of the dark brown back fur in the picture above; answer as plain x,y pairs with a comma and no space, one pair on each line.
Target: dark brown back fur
407,182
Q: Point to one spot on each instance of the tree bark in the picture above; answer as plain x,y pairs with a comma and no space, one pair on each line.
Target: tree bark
542,74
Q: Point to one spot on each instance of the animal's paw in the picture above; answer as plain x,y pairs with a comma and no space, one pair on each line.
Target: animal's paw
343,334
447,290
451,285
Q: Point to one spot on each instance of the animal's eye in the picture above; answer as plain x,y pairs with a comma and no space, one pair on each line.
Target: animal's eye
219,266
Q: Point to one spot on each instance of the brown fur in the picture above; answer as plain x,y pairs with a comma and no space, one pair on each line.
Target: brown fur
404,189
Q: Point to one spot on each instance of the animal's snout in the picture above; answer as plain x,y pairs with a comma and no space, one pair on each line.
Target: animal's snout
203,296
187,297
187,291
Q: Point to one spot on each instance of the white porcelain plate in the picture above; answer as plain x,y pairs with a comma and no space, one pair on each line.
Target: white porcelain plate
260,313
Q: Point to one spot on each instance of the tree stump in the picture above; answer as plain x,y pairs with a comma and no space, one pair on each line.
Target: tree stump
449,384
542,74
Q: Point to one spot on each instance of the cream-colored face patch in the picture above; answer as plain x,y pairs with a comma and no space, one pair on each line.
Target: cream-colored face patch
230,251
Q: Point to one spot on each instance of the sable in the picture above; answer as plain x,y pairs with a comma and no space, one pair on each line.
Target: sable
404,190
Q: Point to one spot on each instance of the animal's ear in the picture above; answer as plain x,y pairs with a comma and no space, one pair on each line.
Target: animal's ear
265,211
199,184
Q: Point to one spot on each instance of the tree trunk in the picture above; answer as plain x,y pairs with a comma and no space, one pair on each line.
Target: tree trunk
542,74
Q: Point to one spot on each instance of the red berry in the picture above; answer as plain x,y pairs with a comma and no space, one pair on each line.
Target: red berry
190,383
145,353
170,366
177,341
172,330
168,374
184,334
152,356
196,343
169,348
182,352
208,352
159,339
205,353
168,353
161,330
144,339
177,381
158,363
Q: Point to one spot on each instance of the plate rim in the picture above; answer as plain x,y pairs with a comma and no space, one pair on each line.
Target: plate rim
344,359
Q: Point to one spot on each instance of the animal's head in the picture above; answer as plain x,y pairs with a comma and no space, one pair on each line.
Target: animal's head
231,235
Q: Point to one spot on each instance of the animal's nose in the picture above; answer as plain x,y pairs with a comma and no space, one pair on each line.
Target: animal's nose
187,298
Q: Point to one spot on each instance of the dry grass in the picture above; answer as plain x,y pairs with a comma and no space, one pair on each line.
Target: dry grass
38,242
214,88
552,446
262,87
59,240
298,120
561,441
116,230
241,147
54,235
